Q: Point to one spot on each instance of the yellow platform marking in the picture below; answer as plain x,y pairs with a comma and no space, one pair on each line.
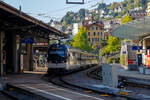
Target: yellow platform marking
124,93
89,91
11,89
104,95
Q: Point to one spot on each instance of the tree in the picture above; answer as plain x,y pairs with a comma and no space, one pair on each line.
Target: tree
113,44
103,43
112,47
80,40
127,18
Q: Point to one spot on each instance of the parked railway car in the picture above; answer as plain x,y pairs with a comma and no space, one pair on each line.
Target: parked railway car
63,59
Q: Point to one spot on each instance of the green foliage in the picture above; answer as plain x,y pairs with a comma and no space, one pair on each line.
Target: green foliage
127,18
111,60
80,40
113,44
103,43
112,47
127,5
69,42
122,13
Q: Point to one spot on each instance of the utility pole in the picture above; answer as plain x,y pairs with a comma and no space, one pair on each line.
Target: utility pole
100,10
100,19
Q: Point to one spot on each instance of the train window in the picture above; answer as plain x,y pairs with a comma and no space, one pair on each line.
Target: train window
73,53
78,55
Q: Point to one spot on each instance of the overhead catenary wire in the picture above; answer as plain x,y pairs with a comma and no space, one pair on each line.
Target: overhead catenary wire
59,10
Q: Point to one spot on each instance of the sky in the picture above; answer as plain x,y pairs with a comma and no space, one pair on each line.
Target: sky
45,10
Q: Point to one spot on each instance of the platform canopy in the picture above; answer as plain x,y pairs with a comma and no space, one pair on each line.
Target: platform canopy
16,21
134,30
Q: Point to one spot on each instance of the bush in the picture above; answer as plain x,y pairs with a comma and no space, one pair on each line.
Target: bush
111,60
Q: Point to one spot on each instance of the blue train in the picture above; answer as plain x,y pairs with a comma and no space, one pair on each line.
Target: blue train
63,59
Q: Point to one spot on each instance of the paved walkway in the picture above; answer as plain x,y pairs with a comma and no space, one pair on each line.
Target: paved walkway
32,82
132,74
4,97
80,79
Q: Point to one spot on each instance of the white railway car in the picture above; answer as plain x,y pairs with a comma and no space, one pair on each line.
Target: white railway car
63,59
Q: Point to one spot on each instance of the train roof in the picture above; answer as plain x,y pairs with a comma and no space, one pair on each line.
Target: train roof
70,48
81,51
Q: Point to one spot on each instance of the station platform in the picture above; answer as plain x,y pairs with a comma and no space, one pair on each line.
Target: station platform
134,76
81,80
33,83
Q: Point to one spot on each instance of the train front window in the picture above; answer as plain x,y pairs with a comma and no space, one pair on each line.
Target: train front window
57,52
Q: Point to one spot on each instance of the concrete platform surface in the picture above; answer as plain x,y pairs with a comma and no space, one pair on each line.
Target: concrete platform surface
4,97
55,93
35,85
80,79
132,74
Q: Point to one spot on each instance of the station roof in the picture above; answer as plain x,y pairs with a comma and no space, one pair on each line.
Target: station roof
134,30
13,19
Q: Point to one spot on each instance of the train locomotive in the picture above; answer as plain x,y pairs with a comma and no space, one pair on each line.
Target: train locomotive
63,59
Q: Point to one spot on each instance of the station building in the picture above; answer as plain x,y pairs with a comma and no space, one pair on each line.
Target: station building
18,33
138,32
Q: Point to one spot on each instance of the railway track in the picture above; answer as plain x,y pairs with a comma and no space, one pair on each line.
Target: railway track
95,73
60,81
4,96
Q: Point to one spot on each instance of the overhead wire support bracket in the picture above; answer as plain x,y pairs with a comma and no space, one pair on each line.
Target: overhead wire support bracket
73,2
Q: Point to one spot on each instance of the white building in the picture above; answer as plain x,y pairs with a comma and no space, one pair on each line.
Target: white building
148,9
56,25
75,29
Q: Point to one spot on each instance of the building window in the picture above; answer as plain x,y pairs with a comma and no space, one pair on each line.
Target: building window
94,39
99,39
101,28
94,28
94,33
89,33
99,33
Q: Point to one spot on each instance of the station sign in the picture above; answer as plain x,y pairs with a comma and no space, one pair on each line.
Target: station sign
28,41
124,52
41,40
136,47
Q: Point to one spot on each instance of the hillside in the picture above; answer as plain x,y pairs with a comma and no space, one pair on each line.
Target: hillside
105,11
